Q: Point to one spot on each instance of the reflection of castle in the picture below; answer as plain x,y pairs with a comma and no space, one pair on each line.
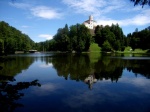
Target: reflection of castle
91,24
90,80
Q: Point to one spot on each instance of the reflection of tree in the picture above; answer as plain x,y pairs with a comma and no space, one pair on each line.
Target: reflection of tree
108,68
139,67
79,67
15,65
9,93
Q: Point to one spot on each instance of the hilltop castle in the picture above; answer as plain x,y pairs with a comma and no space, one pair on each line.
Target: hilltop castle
91,24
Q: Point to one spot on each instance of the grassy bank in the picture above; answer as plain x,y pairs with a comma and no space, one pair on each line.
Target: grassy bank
94,48
128,50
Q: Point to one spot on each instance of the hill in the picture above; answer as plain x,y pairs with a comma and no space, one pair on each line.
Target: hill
11,39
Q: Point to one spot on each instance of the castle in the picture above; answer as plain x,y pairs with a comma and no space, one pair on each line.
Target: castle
91,24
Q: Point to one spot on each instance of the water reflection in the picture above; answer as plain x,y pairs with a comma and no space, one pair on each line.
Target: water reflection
90,80
80,67
10,93
65,79
10,89
14,65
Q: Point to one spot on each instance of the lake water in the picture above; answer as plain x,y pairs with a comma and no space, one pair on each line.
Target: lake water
75,83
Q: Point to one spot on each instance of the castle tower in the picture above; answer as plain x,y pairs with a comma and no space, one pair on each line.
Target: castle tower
90,23
91,18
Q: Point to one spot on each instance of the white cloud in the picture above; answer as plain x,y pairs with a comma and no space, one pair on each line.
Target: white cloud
20,5
94,7
39,11
101,10
86,6
46,36
46,65
112,5
46,89
140,19
25,26
45,12
107,22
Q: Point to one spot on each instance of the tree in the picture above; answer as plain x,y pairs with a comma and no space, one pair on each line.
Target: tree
1,47
62,39
141,2
78,38
140,39
98,35
106,46
84,37
12,39
113,34
72,37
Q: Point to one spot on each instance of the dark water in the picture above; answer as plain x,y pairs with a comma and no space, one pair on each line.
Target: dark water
75,83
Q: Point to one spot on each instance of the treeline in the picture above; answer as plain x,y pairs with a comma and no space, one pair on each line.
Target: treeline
75,38
12,40
110,38
78,38
139,39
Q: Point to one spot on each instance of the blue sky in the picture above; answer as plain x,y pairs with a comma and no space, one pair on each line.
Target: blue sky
40,19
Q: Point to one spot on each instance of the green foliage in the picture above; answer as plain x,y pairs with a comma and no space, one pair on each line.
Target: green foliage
128,49
1,46
139,39
95,48
12,40
113,34
106,46
139,51
77,38
62,38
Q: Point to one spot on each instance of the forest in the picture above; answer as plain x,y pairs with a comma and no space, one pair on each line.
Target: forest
109,38
76,38
11,40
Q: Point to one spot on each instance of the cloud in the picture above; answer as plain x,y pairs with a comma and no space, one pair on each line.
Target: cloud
46,36
39,11
140,19
94,7
25,26
139,82
45,12
20,5
85,6
46,65
46,89
101,10
112,5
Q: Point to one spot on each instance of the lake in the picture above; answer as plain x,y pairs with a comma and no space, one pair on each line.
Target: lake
60,82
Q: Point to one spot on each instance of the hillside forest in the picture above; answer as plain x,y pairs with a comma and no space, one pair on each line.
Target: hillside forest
76,38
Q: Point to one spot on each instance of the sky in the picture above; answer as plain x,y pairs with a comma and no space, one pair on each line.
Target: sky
40,19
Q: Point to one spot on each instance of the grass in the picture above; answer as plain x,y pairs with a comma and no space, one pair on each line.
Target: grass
139,51
129,50
95,48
